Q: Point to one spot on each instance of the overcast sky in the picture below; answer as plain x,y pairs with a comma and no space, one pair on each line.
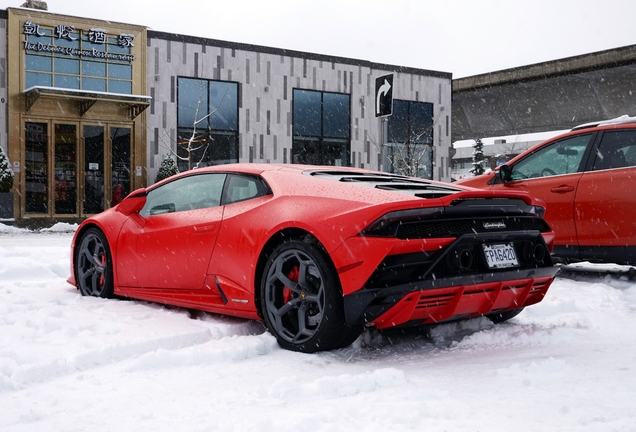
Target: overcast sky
463,37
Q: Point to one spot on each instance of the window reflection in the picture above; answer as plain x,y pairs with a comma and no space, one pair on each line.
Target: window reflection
321,128
409,149
208,123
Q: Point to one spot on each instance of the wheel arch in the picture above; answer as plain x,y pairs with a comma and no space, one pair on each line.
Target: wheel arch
282,236
78,237
79,234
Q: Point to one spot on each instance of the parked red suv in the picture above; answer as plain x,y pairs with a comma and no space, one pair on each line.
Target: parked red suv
587,177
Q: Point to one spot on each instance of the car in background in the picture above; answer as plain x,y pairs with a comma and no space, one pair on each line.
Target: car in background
317,253
587,177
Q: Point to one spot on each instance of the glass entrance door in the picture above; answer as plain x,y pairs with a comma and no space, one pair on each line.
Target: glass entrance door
65,183
107,162
36,167
94,145
120,163
73,170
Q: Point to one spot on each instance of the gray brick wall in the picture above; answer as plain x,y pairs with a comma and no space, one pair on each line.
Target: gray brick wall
266,80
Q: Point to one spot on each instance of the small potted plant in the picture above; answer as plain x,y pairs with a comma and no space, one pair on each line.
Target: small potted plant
6,183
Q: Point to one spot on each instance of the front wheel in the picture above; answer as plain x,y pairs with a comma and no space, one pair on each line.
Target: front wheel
93,265
301,299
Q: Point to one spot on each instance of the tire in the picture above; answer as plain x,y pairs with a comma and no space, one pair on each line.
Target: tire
301,300
504,316
94,265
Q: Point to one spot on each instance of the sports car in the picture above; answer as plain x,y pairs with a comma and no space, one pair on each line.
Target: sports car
319,252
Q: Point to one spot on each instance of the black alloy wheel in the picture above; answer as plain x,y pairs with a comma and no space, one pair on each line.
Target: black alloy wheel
301,300
93,265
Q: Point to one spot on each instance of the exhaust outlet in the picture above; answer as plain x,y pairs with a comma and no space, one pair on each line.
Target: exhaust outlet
538,253
461,259
535,253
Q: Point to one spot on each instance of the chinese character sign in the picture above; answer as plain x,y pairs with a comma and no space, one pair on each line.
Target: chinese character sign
125,40
65,32
30,28
97,36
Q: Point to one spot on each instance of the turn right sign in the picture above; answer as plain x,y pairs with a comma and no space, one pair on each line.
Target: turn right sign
384,95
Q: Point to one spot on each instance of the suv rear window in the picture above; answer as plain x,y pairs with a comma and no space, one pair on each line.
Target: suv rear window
616,150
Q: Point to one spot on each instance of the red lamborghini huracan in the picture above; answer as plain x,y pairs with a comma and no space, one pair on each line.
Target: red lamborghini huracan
319,252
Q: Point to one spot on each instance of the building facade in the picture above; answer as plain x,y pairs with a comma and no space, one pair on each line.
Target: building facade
93,107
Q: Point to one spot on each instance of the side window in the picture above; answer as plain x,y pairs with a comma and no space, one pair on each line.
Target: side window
561,157
187,193
616,150
241,188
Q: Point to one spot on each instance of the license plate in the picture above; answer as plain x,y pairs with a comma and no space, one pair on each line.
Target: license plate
500,255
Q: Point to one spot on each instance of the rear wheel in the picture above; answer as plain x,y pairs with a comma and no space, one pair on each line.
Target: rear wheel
504,316
93,265
301,299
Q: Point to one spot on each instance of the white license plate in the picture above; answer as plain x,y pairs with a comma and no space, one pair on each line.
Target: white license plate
500,255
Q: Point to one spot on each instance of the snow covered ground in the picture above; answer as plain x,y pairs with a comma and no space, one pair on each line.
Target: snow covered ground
69,363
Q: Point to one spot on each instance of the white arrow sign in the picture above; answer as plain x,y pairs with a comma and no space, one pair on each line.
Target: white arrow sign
384,89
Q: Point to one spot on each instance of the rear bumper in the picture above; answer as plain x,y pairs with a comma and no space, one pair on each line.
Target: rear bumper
425,289
432,301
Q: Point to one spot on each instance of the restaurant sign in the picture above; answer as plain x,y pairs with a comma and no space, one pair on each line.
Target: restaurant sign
95,36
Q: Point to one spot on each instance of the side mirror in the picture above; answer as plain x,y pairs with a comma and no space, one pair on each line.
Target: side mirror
505,173
132,203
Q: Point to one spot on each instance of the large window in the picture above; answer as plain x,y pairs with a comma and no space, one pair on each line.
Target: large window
66,57
208,123
410,139
321,128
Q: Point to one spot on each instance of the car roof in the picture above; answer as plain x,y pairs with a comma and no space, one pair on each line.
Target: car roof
616,121
623,121
418,187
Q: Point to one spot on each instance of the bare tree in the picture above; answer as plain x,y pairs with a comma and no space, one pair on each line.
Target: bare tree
411,157
198,139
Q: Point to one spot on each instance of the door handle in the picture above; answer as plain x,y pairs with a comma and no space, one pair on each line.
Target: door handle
562,189
204,229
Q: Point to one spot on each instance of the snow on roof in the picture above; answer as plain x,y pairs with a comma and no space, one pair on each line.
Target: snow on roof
511,139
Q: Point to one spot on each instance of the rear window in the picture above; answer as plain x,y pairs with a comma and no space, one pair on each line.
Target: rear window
616,150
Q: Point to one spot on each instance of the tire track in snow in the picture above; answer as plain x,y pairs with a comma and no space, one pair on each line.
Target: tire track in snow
222,342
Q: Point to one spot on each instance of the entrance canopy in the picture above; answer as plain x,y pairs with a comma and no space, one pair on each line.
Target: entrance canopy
86,99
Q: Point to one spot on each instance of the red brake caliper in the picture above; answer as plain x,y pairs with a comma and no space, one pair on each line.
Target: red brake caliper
293,276
101,277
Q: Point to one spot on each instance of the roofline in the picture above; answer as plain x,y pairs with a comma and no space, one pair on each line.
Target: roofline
153,34
538,71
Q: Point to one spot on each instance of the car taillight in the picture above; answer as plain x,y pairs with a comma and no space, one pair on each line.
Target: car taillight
538,210
387,225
